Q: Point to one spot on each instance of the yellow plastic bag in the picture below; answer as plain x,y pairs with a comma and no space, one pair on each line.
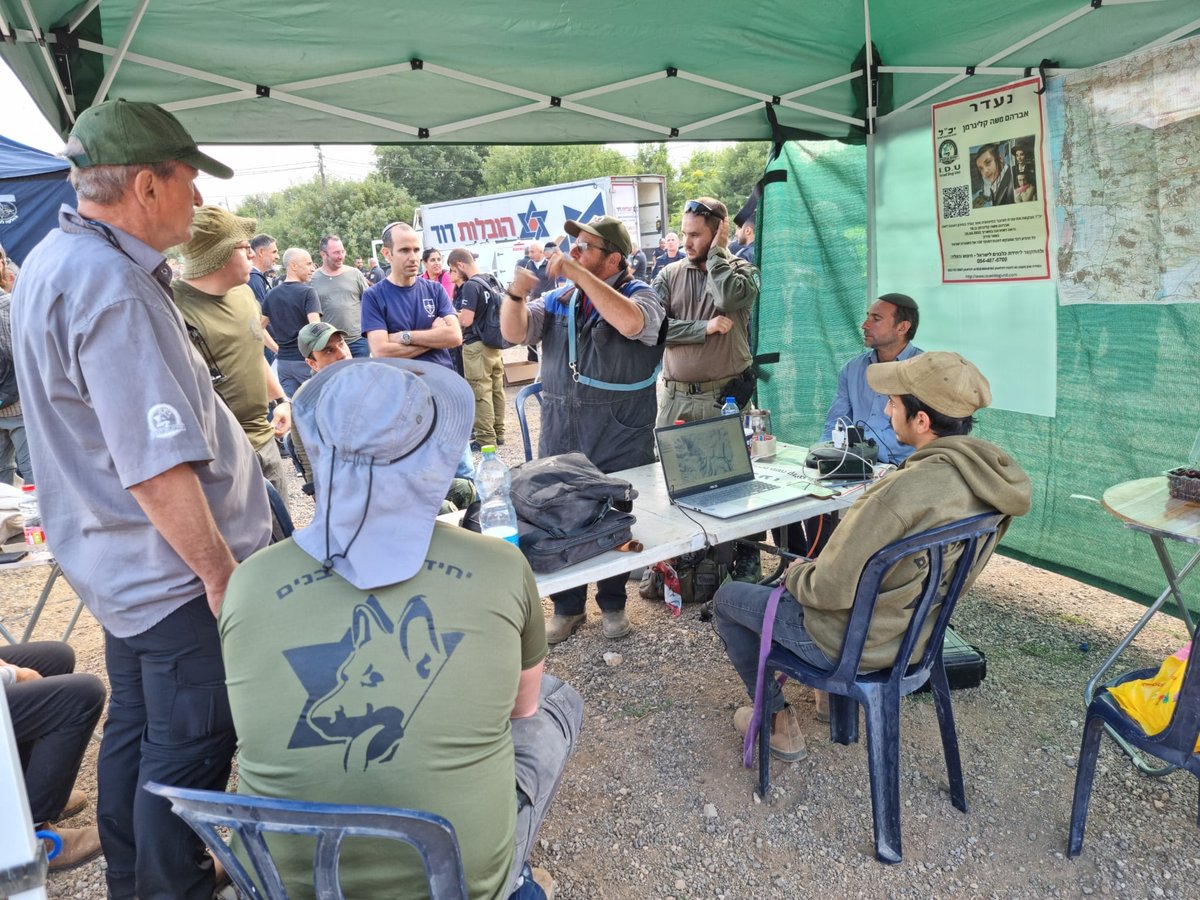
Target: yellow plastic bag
1151,701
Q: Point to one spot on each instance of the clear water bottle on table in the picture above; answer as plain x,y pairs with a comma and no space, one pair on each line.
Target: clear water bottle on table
497,516
730,408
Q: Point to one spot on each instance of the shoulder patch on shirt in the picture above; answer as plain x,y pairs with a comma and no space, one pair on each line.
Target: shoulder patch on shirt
430,307
164,421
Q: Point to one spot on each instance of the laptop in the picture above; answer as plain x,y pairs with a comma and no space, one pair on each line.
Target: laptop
707,468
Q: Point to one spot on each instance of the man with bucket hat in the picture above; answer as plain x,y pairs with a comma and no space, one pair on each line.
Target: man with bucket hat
150,492
225,323
949,476
414,648
602,346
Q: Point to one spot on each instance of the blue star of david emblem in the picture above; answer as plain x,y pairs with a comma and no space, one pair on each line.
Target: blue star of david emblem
533,223
595,209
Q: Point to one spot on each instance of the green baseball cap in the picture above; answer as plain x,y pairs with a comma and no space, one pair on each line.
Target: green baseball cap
315,336
125,133
607,228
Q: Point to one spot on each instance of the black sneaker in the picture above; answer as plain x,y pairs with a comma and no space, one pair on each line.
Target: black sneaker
476,447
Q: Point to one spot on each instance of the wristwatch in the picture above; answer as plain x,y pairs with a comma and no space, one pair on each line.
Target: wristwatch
406,338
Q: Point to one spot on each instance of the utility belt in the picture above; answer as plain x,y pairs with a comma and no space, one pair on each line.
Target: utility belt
740,386
694,387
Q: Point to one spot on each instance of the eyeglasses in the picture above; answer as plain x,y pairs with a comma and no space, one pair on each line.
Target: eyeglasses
603,247
246,247
696,208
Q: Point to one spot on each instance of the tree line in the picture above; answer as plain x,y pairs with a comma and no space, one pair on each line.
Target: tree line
407,175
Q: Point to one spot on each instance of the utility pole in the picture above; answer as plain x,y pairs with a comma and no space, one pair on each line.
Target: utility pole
321,165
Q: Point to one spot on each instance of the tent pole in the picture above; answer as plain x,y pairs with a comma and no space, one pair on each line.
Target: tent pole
868,62
51,67
130,30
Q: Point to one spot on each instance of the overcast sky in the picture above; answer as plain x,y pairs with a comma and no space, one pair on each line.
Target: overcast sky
259,169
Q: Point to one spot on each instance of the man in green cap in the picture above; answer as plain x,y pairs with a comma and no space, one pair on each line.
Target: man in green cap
602,342
225,323
149,490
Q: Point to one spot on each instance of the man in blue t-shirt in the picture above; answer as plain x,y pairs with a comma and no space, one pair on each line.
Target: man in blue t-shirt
407,316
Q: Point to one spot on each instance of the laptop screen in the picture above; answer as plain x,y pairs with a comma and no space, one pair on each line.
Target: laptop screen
700,456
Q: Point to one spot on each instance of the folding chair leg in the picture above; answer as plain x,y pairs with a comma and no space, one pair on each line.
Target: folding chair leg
883,764
945,714
843,719
1093,731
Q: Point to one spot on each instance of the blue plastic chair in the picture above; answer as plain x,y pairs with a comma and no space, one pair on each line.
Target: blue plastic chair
530,390
879,692
249,817
1175,744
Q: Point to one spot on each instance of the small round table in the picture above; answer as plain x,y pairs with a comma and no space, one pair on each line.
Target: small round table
1144,505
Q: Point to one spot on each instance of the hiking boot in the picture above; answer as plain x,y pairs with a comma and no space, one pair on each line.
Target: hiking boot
651,585
821,698
543,880
559,628
79,846
76,803
787,740
616,623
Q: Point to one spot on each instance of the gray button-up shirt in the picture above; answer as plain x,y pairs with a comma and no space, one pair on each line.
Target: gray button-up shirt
113,395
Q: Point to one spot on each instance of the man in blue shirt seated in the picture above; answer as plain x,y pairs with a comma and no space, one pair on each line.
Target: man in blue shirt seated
888,331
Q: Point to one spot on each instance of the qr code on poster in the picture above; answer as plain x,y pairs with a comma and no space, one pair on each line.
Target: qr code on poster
956,202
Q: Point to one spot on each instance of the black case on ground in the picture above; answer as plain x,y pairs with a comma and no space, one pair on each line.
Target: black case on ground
966,666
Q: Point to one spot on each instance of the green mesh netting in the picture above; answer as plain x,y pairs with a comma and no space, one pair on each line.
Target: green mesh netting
1126,375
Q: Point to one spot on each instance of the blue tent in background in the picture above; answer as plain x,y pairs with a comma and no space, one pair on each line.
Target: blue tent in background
33,185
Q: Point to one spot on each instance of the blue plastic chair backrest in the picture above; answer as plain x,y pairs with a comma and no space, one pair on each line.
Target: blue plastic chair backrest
251,817
530,390
977,535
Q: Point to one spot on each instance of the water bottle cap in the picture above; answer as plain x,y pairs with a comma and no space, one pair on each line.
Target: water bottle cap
29,488
488,449
731,400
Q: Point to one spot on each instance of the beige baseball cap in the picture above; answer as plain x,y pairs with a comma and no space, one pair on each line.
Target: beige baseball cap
943,381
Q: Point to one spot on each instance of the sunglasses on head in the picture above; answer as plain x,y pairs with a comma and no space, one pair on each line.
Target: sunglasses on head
696,208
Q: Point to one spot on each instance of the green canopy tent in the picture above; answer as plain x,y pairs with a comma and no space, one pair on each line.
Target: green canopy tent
1085,395
544,71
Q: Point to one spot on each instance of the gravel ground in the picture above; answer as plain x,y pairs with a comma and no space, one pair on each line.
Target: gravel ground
655,803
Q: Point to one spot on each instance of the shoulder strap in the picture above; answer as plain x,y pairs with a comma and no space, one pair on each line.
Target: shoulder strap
627,289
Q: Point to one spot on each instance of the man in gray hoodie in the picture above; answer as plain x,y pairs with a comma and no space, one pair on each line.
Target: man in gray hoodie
950,476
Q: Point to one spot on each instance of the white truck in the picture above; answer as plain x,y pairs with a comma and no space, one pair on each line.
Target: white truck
499,227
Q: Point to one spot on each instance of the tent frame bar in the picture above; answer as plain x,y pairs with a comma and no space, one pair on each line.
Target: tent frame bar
122,49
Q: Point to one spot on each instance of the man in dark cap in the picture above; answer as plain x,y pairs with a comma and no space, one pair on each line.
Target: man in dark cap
150,492
602,343
888,330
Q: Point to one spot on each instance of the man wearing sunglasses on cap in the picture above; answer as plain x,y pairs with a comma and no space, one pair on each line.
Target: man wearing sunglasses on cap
708,301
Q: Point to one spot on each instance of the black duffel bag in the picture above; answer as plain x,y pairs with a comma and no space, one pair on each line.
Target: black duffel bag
567,510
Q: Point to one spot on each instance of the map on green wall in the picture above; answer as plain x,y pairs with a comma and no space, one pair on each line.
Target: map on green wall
1125,145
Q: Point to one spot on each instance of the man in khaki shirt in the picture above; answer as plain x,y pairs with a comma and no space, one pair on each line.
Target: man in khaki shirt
708,301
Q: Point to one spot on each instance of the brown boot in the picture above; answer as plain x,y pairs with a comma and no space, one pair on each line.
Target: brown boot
76,803
543,880
787,740
559,628
79,846
616,623
821,698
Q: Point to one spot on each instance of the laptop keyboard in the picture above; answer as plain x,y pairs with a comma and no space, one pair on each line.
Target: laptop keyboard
734,492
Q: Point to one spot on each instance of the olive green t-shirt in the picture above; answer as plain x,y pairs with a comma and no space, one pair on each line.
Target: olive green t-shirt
232,329
395,697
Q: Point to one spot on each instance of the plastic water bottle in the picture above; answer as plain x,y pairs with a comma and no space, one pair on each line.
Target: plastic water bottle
492,474
35,536
497,516
730,408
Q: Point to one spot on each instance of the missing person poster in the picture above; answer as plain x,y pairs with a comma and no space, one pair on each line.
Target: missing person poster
990,182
